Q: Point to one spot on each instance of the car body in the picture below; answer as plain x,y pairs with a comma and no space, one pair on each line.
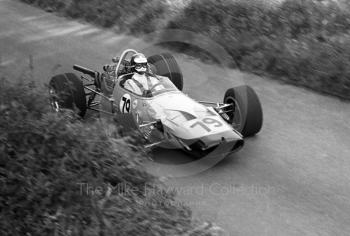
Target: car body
165,116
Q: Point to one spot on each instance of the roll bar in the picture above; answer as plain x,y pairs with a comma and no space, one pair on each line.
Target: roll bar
124,54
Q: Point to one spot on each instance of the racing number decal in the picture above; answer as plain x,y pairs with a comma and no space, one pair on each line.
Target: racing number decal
125,104
207,121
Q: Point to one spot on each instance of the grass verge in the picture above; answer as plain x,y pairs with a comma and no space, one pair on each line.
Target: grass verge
303,42
60,176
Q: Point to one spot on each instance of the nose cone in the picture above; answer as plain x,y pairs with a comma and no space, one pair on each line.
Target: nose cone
208,140
215,147
228,137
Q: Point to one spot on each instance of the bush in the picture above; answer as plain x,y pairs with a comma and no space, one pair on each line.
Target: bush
60,176
50,5
303,42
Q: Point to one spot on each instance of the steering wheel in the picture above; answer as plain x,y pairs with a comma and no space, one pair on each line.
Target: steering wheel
154,86
148,93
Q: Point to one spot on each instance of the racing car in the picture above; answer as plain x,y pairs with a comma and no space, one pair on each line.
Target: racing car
164,117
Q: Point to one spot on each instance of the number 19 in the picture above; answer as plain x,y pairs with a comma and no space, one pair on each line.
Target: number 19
208,121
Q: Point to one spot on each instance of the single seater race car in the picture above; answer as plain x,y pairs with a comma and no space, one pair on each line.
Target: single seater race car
164,115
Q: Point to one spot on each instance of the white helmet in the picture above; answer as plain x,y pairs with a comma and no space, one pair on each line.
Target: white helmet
139,63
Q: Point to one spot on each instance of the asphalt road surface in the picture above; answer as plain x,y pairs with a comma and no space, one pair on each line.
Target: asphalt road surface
291,179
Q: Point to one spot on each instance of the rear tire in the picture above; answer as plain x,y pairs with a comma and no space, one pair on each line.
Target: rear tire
166,65
67,91
247,117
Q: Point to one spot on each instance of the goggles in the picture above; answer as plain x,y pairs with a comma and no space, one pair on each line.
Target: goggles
140,65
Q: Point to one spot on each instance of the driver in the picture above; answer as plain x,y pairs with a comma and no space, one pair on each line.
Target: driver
141,80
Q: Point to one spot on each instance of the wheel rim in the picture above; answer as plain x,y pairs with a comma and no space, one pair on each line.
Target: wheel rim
53,100
235,115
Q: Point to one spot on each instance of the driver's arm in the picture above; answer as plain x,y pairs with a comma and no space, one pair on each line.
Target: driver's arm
131,86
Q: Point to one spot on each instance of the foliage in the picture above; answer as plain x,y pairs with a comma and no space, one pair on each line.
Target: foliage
304,42
60,176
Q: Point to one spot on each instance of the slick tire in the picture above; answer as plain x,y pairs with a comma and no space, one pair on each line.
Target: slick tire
247,115
166,65
67,92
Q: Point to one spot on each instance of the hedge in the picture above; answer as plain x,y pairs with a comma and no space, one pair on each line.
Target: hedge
303,42
62,176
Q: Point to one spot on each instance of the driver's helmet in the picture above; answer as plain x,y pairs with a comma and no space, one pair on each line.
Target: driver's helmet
139,63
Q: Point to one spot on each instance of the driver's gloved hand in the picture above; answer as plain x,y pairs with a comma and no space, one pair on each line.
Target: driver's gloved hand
147,93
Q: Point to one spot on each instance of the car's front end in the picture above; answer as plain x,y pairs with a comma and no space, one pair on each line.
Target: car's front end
179,122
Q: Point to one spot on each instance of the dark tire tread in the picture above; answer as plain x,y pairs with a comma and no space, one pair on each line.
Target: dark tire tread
250,106
167,66
70,92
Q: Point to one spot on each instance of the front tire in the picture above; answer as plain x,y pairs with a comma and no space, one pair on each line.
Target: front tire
247,115
166,65
67,92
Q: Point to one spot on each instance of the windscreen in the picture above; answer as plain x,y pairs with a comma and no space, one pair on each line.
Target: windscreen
165,85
